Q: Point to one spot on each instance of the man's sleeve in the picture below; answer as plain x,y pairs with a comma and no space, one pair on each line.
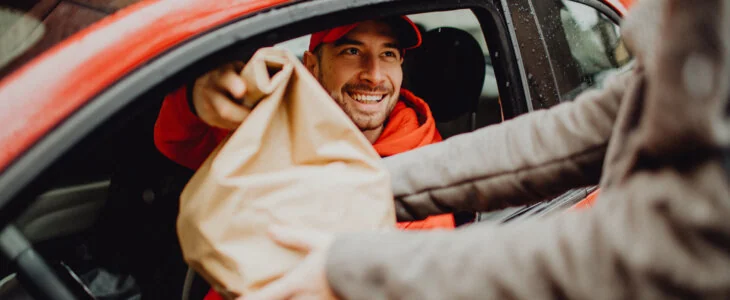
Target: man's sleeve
181,136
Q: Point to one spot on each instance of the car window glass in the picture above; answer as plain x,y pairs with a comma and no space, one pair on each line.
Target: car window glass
595,45
30,27
18,32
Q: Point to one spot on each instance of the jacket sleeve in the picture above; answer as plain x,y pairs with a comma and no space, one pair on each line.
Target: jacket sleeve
526,159
672,246
181,136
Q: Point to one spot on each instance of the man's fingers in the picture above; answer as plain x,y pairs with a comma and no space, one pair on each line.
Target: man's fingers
230,82
226,109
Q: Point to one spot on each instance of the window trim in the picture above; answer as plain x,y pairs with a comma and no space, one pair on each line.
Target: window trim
510,71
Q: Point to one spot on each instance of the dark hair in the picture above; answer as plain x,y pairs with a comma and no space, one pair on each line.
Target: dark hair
318,52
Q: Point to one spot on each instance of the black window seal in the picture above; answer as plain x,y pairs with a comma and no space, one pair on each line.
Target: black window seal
517,53
497,32
185,62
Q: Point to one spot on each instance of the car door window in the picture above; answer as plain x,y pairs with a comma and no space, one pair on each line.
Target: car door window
566,47
29,28
18,32
595,46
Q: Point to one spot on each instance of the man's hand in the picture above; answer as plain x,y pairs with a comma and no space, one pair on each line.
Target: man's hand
308,279
217,97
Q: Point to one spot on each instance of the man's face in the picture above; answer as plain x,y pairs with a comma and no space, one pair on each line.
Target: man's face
362,72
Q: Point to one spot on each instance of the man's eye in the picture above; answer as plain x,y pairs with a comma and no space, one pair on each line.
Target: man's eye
390,54
351,51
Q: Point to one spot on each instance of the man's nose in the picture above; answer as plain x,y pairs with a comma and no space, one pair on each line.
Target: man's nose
372,71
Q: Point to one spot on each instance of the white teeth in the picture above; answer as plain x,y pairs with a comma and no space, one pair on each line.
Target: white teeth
366,98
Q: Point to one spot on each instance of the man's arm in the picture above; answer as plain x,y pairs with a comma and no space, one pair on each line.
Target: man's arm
180,135
194,119
523,160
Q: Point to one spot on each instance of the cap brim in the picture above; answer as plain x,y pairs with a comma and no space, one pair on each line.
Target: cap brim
407,33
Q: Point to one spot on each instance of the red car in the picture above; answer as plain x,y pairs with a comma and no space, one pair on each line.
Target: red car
88,205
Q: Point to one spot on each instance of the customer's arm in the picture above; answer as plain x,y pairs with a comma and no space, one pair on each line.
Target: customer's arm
671,245
523,160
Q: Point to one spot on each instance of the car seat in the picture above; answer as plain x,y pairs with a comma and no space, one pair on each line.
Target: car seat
447,72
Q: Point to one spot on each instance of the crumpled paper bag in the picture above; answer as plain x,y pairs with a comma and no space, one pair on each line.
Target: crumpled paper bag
296,160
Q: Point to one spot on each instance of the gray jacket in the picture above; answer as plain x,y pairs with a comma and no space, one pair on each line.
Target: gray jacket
660,227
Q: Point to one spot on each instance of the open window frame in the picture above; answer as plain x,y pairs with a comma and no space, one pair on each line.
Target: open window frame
38,168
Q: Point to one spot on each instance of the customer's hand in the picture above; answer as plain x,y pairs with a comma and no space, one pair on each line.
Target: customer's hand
308,279
218,97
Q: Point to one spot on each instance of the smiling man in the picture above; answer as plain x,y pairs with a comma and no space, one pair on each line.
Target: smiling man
359,65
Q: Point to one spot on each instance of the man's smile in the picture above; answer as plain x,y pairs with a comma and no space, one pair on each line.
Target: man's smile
367,102
367,98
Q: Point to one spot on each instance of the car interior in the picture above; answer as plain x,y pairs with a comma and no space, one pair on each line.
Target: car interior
106,212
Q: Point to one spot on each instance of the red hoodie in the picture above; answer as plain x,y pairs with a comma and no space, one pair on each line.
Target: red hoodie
185,139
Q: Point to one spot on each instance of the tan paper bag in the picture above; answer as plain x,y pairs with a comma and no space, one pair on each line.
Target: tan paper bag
296,160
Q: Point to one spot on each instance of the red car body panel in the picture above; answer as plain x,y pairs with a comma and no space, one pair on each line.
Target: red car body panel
41,94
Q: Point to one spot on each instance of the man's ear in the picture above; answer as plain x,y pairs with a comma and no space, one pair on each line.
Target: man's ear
311,62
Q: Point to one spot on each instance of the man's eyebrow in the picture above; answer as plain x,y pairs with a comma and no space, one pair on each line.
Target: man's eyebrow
346,41
392,45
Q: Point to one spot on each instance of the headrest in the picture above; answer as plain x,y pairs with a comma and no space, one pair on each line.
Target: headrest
447,71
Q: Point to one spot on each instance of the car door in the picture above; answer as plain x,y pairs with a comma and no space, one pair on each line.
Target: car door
107,127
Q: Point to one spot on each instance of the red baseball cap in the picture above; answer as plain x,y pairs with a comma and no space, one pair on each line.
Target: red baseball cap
407,33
